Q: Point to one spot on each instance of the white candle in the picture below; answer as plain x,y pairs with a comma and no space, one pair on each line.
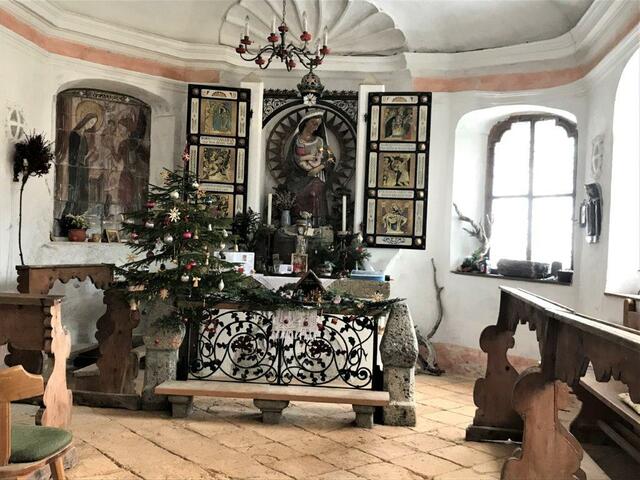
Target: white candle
344,213
269,203
326,36
304,21
273,24
246,26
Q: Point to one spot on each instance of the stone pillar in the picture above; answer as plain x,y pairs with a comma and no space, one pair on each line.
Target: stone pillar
399,352
161,362
271,410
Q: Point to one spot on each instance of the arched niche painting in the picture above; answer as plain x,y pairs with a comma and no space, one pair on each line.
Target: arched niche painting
311,149
102,154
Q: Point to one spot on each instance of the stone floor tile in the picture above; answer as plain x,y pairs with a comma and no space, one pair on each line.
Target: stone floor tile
450,433
353,436
467,410
424,425
337,475
385,471
242,438
268,453
276,433
441,403
386,449
423,442
348,458
312,444
461,398
465,388
463,455
464,474
389,431
449,418
94,464
498,450
428,391
303,467
425,464
491,466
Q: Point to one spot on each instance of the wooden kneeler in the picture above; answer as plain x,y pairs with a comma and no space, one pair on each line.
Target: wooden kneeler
27,448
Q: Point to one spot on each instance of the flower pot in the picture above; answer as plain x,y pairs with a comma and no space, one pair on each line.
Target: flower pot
285,218
77,234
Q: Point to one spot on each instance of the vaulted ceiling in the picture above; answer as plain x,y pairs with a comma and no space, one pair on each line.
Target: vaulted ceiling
375,27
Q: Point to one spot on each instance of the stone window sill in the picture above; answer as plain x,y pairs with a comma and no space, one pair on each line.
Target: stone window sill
552,281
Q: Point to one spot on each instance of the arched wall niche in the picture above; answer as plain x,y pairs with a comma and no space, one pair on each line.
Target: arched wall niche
470,165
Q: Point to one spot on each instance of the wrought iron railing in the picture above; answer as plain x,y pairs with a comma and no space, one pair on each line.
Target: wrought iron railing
241,346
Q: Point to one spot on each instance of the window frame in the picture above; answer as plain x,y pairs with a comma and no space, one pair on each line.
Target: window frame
494,137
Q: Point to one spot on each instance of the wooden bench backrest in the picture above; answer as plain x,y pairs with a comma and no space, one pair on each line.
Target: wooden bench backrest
15,384
630,317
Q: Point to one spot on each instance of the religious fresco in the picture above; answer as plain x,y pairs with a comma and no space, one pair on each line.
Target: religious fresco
397,169
102,154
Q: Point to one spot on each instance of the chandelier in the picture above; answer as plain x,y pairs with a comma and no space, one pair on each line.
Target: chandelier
308,56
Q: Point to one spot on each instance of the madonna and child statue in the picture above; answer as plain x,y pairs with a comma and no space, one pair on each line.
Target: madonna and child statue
312,163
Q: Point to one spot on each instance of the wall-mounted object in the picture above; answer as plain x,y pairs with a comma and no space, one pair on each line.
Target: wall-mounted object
398,131
218,137
592,206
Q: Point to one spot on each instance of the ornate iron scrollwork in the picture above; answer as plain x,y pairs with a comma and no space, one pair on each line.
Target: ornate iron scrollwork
241,346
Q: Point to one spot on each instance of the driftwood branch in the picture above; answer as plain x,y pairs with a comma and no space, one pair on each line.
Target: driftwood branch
479,231
427,352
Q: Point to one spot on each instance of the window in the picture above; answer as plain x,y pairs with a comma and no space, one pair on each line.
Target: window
102,155
531,188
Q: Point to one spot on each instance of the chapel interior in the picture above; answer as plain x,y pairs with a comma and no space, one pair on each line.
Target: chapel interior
320,239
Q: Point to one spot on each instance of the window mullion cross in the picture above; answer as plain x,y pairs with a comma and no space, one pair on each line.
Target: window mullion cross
530,195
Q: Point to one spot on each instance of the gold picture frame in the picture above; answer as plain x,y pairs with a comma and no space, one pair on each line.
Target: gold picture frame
396,170
398,123
217,164
111,235
299,262
219,117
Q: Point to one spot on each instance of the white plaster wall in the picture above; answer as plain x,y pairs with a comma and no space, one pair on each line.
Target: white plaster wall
470,303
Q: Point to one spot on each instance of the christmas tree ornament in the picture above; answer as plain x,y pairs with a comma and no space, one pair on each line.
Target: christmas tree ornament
187,235
188,266
196,281
164,293
174,214
184,278
185,155
129,221
206,258
225,234
150,254
174,195
168,239
209,228
131,258
200,193
150,204
221,285
195,184
163,267
223,246
134,236
235,247
196,236
149,224
208,201
133,305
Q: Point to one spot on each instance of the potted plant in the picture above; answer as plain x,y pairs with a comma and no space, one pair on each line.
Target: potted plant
32,158
284,200
76,227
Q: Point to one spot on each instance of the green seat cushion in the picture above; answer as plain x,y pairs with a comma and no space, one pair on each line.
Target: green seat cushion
30,443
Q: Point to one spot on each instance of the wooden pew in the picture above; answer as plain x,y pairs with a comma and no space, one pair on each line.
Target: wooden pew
32,323
526,404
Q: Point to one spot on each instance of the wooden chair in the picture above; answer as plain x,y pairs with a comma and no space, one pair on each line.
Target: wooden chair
27,448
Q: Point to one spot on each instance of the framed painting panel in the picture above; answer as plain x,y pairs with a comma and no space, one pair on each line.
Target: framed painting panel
216,164
397,169
218,137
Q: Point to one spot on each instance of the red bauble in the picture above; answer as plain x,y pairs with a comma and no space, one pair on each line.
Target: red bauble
187,235
193,263
151,204
188,266
134,236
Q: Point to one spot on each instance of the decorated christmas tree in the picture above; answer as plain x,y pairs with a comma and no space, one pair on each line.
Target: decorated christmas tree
181,236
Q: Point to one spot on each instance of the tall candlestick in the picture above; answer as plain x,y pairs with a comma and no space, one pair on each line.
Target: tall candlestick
246,26
344,213
304,21
269,203
273,24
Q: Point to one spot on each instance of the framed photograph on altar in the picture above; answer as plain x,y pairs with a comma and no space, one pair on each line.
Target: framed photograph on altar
218,142
299,261
397,169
